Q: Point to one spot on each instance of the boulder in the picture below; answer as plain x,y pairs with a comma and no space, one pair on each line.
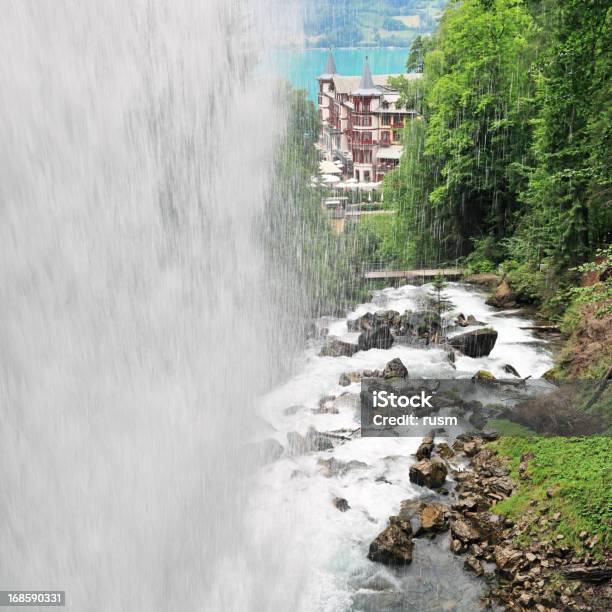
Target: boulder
429,473
395,369
461,321
464,532
508,369
473,564
507,559
341,504
378,337
421,324
424,450
483,375
393,546
478,343
425,518
444,450
433,519
338,348
503,297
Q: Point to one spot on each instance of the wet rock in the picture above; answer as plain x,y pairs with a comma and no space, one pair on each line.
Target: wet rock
594,574
425,448
526,600
433,519
379,337
461,321
508,369
471,448
422,324
293,410
395,369
313,441
344,380
473,564
507,559
484,376
393,546
457,547
338,348
333,467
429,473
503,297
477,343
464,532
341,504
444,450
478,420
427,519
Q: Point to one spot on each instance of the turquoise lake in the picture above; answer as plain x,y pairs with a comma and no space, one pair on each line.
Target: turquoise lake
302,67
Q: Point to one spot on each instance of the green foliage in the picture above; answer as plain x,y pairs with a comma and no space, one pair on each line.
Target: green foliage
512,154
578,469
313,259
484,257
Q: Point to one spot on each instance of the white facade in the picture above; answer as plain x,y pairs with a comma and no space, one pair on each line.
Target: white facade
361,123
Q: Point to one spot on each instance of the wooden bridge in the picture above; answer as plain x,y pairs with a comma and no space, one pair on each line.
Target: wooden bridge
418,275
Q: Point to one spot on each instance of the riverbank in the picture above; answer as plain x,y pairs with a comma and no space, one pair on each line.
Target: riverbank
324,466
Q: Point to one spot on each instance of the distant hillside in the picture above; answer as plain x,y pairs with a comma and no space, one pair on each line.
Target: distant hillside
367,23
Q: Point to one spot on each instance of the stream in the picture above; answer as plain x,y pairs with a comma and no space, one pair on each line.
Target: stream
295,492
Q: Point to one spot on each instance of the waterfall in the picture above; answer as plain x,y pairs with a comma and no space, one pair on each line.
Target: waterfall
136,148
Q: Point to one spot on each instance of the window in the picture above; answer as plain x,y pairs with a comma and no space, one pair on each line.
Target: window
366,176
386,137
386,120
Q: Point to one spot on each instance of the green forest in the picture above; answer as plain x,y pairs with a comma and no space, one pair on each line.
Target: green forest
506,170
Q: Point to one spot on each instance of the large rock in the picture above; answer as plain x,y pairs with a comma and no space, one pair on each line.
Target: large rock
426,518
464,532
395,369
394,545
478,343
424,450
433,519
378,337
428,473
338,348
420,324
371,320
503,297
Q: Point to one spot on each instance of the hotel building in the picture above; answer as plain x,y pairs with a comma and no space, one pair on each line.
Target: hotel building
361,122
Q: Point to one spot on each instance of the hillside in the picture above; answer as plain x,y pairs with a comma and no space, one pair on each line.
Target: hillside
362,23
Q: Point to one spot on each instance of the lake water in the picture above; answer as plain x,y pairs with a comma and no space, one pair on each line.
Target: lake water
302,67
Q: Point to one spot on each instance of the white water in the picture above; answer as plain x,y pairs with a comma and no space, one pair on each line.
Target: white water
293,490
135,153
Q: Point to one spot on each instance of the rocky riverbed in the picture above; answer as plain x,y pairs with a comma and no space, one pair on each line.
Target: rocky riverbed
326,494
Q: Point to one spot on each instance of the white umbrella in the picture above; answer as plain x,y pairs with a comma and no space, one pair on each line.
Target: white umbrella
327,167
352,180
330,178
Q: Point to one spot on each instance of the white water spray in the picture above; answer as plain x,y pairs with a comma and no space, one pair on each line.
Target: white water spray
135,152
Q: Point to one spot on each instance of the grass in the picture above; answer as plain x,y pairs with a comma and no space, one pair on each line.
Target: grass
578,469
508,428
